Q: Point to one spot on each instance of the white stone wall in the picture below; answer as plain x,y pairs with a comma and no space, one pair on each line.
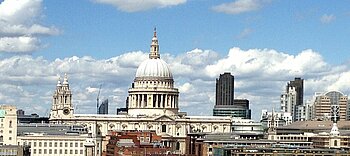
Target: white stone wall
8,125
58,145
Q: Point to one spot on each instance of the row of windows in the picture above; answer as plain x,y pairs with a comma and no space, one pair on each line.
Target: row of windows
2,138
2,131
56,151
55,144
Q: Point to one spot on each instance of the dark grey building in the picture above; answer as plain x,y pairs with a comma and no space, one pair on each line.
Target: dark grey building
225,104
103,108
294,90
225,89
298,83
241,109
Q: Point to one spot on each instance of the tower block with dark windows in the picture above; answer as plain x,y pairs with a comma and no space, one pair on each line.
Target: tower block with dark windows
225,104
292,99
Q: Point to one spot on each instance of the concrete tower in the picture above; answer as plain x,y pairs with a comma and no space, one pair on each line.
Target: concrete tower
225,104
225,89
292,98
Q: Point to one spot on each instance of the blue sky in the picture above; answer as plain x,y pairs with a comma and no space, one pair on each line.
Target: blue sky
103,31
263,43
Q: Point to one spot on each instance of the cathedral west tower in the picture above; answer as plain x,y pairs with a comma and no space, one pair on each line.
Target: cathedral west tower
62,106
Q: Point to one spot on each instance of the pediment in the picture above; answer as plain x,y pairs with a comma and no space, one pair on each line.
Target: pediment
163,118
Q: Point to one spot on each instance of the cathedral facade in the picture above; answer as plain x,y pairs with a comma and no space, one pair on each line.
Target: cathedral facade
152,106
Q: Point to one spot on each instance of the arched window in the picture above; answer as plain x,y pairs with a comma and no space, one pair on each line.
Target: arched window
335,143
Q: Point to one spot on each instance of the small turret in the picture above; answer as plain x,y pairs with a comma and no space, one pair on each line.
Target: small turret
59,84
65,79
154,51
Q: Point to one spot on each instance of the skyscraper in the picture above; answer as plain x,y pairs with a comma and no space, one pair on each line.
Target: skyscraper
225,89
293,97
225,104
103,108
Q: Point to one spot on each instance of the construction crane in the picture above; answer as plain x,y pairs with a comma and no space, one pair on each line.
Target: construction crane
98,98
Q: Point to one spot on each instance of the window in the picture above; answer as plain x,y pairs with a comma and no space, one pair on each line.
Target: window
34,151
65,151
66,145
55,151
39,151
10,138
10,124
40,144
60,151
81,151
10,131
45,151
34,144
177,145
50,151
76,144
70,151
76,152
50,144
81,144
71,144
164,128
55,144
45,144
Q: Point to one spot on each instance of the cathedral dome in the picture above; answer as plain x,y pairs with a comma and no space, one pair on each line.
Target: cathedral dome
154,68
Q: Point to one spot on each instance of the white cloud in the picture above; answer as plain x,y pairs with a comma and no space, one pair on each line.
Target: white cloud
244,33
19,44
260,76
327,18
19,28
140,5
239,6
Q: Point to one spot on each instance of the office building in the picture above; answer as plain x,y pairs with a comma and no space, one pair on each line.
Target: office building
31,118
323,103
58,139
225,104
292,98
225,90
240,108
103,108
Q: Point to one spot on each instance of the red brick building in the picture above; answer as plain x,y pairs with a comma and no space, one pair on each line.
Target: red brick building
135,143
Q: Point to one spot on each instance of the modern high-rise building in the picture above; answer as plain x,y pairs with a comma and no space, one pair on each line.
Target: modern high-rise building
225,89
292,98
225,104
322,106
103,108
